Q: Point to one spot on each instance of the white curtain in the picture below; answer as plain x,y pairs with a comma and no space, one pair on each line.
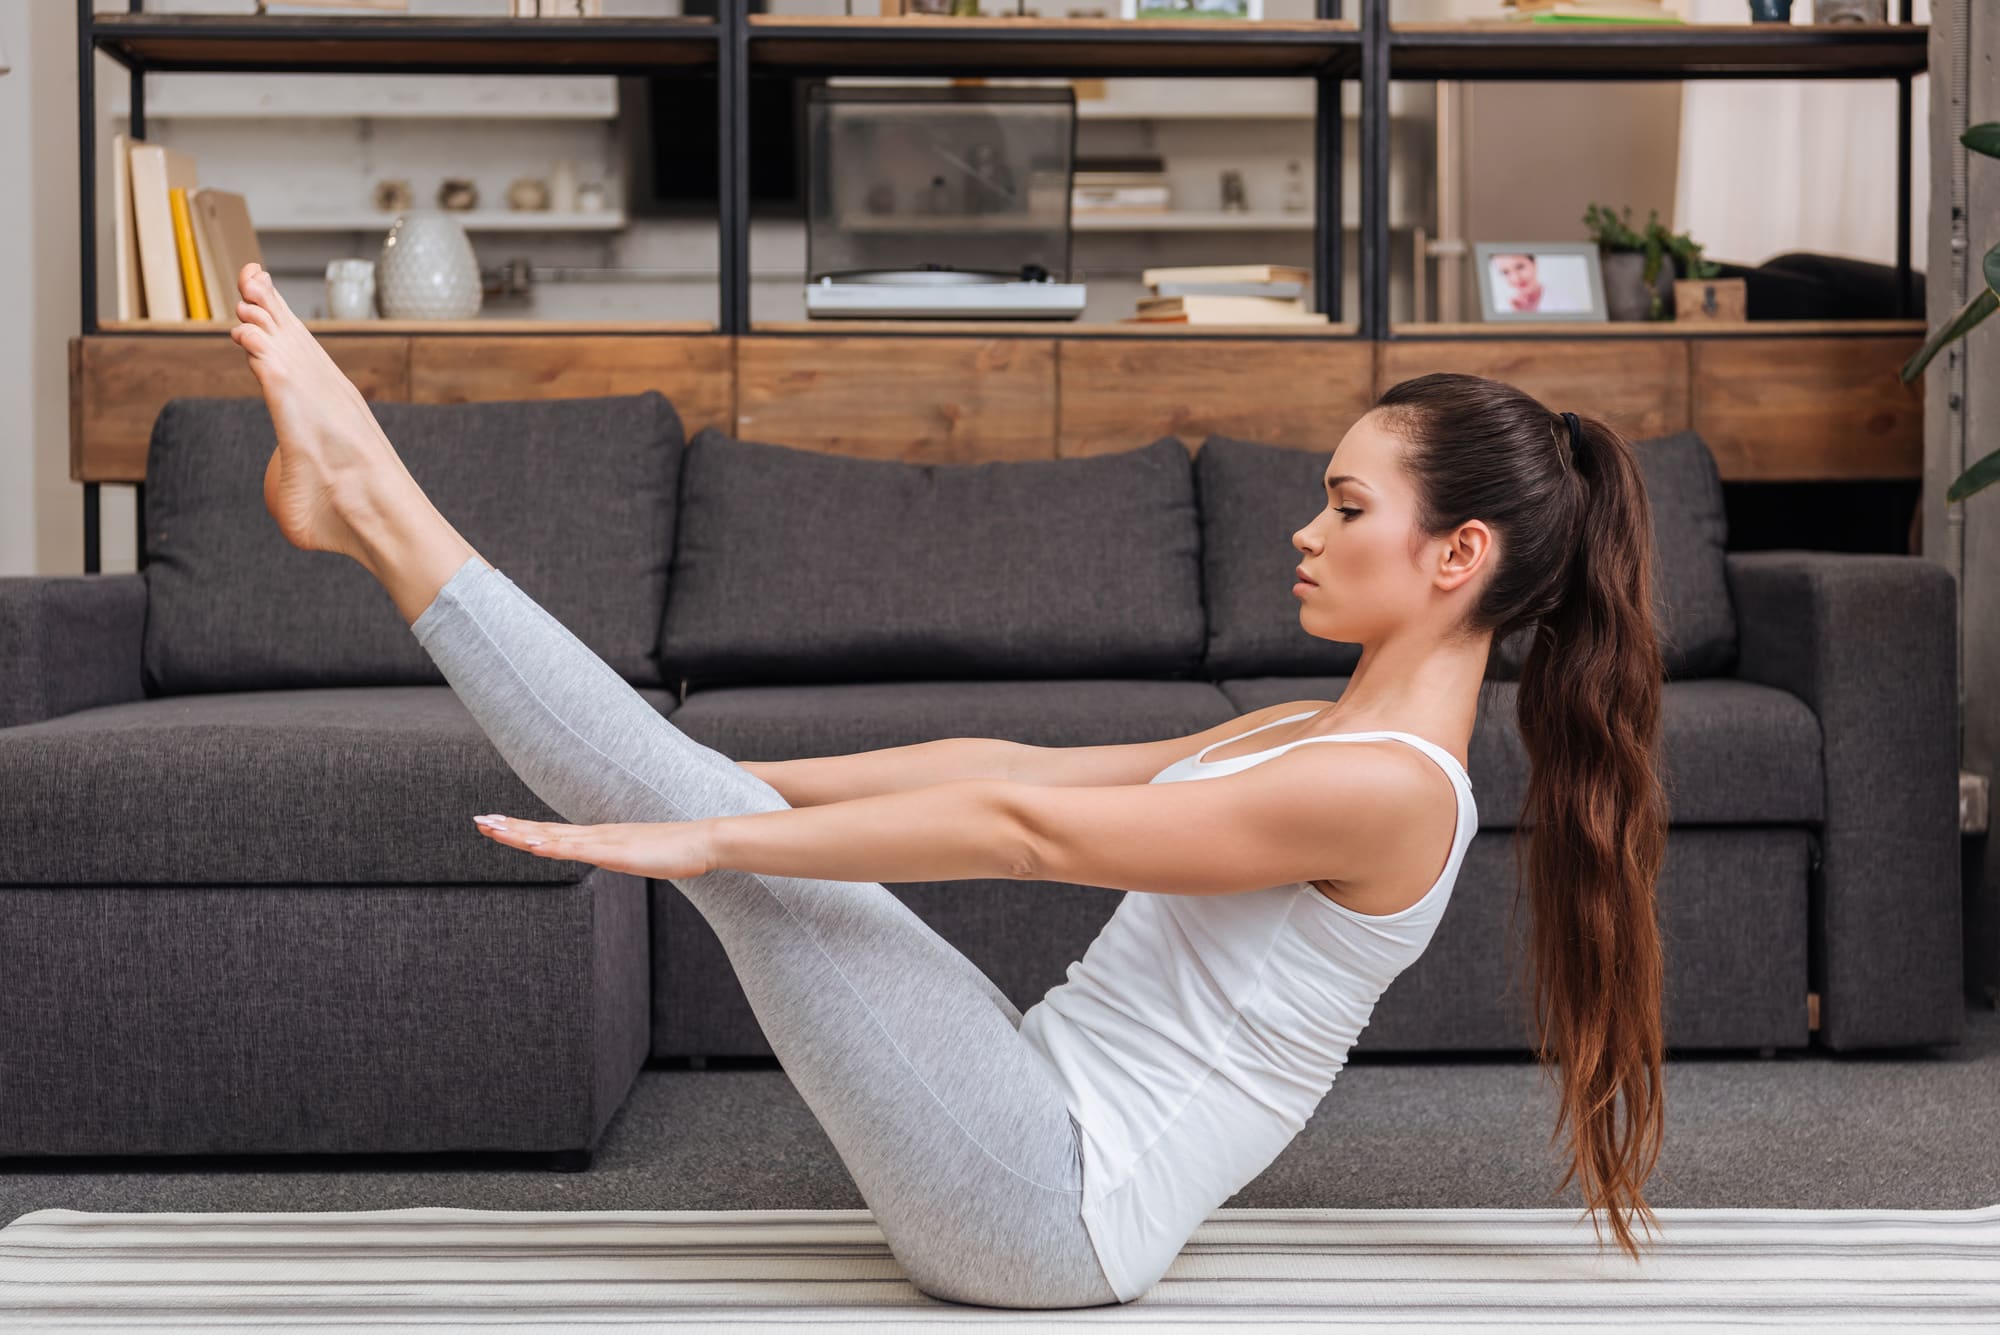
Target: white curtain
1769,166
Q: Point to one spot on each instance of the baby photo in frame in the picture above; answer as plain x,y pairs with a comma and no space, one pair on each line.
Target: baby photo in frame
1539,280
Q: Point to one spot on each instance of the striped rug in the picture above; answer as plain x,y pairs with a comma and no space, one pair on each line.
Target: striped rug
434,1269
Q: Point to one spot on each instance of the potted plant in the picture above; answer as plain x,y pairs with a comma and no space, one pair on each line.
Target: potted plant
1637,284
1983,139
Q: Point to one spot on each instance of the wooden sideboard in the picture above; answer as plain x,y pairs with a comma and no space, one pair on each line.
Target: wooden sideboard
1776,401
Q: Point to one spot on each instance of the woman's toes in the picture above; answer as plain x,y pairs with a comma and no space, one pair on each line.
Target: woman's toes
251,339
274,299
251,313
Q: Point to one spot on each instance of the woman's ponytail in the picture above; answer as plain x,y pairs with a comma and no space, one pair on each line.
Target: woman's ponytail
1574,566
1596,823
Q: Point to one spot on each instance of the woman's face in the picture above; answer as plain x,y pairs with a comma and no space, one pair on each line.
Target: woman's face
1358,548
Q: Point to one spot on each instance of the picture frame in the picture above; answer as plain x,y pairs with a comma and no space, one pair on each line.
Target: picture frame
1527,281
1250,10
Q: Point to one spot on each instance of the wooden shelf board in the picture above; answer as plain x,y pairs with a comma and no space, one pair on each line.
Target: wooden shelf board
162,42
494,326
1504,49
1189,47
1045,328
1649,328
1053,328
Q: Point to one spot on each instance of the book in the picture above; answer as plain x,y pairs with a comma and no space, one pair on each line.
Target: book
226,218
1591,11
1226,273
131,301
1203,304
1641,9
184,251
1175,288
1596,18
1096,199
157,169
1294,318
1226,308
214,285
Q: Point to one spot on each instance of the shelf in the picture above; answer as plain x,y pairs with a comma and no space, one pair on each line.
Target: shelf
1504,49
473,326
1525,328
493,220
1649,328
1020,46
1054,328
1108,220
1190,220
160,43
155,112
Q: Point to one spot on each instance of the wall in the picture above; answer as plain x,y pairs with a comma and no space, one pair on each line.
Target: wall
1962,423
41,510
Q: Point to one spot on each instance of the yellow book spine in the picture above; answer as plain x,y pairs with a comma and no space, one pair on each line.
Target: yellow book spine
197,297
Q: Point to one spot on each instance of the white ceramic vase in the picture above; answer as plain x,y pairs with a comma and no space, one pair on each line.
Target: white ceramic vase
427,270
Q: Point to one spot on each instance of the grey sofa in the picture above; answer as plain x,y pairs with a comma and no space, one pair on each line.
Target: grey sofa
243,908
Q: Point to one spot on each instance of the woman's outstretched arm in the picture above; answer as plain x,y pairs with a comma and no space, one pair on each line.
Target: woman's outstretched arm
816,780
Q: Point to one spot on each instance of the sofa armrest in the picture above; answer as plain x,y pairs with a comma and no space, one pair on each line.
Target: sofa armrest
1870,643
69,642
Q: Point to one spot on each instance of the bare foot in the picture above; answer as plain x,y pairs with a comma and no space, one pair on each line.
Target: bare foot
335,483
332,457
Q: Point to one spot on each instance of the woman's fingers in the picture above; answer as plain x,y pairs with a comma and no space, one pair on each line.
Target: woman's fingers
666,850
533,835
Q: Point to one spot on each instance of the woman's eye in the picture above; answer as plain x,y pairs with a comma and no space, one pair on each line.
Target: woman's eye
1348,510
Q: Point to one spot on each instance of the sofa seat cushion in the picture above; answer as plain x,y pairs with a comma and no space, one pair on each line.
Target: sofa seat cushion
792,722
573,498
798,566
1254,496
356,785
1733,752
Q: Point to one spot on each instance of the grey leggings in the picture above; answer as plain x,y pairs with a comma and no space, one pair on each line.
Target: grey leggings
951,1124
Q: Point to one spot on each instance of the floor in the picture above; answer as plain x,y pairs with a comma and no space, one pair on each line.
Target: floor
1912,1129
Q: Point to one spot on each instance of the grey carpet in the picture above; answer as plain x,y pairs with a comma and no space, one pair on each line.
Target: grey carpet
1913,1129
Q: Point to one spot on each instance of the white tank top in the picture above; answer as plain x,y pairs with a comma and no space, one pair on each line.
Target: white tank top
1199,1032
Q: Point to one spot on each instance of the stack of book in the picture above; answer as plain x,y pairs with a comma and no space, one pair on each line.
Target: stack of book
179,247
1589,11
1227,294
1119,185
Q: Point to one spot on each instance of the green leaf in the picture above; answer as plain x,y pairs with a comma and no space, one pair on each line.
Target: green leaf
1970,314
1982,474
1991,267
1983,138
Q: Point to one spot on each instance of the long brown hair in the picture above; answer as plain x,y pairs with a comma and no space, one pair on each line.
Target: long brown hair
1574,571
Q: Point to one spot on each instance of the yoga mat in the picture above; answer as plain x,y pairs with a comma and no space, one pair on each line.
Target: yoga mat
432,1268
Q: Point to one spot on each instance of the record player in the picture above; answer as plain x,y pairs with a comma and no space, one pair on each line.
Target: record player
941,203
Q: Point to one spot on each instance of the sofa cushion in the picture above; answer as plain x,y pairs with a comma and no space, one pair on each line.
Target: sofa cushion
1732,752
789,722
1255,496
796,565
353,785
573,498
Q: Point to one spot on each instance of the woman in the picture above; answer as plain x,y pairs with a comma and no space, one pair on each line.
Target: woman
1062,1157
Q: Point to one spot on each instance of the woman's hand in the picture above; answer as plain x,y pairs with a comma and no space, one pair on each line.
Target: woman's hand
665,850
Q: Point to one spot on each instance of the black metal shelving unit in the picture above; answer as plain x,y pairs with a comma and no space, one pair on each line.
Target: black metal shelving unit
734,43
